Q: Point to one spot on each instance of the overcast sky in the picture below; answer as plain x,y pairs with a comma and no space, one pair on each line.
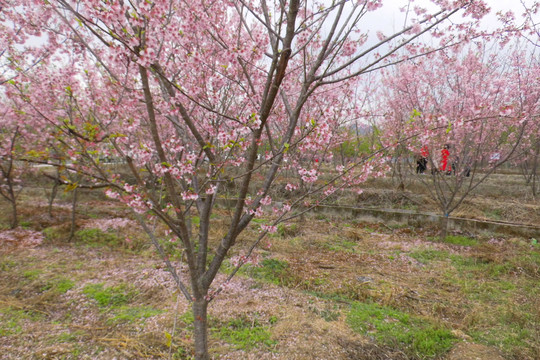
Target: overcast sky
390,19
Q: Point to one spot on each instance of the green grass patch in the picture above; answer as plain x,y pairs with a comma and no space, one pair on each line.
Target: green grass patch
11,319
126,314
286,230
338,244
460,240
270,270
326,314
245,334
32,274
55,233
426,256
468,263
108,296
7,264
25,224
494,214
68,337
417,336
63,285
96,237
512,331
58,285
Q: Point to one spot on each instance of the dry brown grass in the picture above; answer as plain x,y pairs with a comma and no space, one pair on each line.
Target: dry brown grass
472,290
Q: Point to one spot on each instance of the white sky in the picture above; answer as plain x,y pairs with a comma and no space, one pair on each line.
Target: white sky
389,19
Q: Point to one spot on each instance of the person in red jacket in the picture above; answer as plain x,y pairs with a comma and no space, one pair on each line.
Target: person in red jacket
445,166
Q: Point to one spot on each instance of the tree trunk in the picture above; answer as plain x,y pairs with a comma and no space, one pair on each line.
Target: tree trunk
73,215
54,191
14,218
200,315
444,227
534,170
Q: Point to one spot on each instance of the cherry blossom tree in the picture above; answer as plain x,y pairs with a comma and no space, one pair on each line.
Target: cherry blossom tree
189,93
460,111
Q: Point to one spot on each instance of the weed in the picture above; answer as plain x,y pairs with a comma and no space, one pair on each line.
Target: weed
245,334
108,296
391,327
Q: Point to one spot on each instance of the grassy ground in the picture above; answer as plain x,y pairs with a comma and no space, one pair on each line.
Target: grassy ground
325,289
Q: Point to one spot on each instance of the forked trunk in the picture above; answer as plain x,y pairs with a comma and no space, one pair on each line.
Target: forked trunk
200,315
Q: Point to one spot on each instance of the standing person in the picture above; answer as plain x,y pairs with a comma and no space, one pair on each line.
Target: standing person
421,162
445,166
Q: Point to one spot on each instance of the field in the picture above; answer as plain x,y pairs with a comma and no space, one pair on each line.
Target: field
325,288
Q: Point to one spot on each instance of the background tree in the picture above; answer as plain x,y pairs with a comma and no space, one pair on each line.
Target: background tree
466,110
